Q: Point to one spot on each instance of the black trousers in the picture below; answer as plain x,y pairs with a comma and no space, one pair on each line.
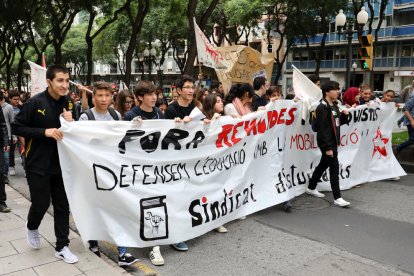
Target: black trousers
332,163
11,154
42,189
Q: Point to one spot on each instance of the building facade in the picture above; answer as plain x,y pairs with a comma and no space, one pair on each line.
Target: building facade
393,63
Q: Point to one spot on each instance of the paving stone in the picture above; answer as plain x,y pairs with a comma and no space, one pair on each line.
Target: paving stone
63,268
6,249
22,246
12,223
13,234
26,260
26,272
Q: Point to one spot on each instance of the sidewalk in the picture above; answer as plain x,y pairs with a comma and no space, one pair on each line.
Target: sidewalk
18,258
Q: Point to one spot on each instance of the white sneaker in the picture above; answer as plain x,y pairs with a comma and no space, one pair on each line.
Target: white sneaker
33,238
66,255
155,256
221,229
395,178
341,202
12,171
314,193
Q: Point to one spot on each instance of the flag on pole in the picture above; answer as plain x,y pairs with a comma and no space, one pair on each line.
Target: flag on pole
43,60
38,78
206,52
307,91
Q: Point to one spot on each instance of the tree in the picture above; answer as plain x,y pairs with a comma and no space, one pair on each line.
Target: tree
74,49
135,13
201,22
60,14
109,11
285,19
319,13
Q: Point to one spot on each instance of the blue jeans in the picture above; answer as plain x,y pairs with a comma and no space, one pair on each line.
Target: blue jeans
410,140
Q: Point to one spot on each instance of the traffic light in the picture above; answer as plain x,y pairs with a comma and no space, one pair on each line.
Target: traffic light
365,52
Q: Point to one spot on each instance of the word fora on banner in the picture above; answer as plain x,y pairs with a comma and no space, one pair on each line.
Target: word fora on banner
150,142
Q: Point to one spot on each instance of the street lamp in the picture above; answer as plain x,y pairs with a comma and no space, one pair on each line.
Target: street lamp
160,71
354,66
341,24
149,56
27,73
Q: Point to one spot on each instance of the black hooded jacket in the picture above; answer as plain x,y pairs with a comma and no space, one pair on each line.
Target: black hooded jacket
328,121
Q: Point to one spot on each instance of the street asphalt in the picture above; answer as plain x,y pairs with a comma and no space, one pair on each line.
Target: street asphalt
372,237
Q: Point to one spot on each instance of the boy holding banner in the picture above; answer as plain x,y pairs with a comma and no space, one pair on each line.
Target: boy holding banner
327,123
102,96
180,111
38,122
145,94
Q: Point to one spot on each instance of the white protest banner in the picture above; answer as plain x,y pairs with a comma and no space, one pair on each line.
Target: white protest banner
206,52
161,182
38,78
365,152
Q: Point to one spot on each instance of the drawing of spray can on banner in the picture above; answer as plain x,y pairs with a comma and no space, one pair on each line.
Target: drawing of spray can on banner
154,219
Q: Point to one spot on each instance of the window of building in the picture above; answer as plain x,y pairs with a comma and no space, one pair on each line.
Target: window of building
304,55
406,51
340,53
388,20
391,50
354,53
384,51
170,54
296,55
378,51
169,66
329,54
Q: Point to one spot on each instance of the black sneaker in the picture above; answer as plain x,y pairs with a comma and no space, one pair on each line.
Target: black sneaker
126,259
95,250
4,208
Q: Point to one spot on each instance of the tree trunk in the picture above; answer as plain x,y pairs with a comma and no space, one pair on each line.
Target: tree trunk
143,7
89,59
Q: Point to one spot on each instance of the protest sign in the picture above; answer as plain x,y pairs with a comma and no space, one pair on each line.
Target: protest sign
244,64
206,52
161,182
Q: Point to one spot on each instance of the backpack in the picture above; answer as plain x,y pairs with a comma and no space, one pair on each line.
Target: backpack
110,110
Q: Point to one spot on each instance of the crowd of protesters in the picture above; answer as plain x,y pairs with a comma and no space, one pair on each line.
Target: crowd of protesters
31,127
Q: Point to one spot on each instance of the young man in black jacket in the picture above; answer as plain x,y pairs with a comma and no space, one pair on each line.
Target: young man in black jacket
38,122
327,123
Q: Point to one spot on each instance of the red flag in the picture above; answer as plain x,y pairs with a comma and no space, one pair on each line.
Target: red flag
43,60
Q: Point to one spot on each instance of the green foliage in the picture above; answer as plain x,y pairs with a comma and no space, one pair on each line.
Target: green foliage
74,47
